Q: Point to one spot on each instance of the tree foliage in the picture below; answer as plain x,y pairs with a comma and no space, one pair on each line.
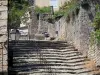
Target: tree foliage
17,9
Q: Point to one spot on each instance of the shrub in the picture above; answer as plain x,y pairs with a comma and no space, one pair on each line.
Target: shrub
42,9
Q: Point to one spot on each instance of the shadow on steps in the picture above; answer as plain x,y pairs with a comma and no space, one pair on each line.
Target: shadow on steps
3,73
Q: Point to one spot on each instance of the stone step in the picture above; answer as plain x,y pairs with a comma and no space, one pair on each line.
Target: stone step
34,48
54,58
49,61
52,70
52,64
45,50
47,58
25,68
42,59
60,68
53,73
42,51
46,55
39,45
37,42
52,67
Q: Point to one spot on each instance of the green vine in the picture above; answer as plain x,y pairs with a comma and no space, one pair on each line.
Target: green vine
96,24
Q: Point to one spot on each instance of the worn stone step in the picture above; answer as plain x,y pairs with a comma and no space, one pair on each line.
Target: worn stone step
39,45
51,67
54,58
49,61
46,55
77,69
42,73
54,73
46,68
43,55
52,64
44,50
36,42
52,70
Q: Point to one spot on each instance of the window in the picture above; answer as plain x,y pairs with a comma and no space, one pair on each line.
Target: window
54,3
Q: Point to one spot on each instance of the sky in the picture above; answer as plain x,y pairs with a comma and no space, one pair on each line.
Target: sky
54,3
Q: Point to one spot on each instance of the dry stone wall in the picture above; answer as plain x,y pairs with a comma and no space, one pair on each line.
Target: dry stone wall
46,27
3,35
61,29
77,31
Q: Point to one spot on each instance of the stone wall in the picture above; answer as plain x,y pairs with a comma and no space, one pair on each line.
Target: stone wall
3,36
61,29
76,29
46,27
33,26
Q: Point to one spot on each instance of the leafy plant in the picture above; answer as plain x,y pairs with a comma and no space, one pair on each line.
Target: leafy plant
58,13
42,9
96,24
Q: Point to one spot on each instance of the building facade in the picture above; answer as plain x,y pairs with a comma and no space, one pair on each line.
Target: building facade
55,3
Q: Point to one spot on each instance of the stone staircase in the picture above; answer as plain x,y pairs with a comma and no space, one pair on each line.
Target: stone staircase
46,58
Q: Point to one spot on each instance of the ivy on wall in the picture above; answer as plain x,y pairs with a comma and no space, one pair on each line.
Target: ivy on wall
42,9
96,24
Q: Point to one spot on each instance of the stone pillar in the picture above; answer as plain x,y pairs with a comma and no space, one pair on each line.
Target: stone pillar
33,28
